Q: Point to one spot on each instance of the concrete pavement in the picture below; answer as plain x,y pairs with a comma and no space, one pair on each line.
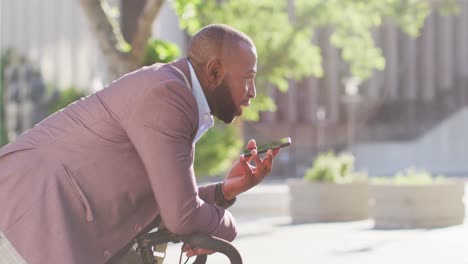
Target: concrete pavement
273,239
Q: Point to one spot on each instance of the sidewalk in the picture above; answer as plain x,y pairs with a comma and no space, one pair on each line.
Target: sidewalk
274,240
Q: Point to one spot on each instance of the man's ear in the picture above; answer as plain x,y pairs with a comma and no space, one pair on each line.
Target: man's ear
215,71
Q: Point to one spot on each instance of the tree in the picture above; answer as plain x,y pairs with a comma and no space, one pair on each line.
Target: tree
122,57
283,33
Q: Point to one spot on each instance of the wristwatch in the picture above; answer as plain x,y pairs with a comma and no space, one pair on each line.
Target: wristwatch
219,197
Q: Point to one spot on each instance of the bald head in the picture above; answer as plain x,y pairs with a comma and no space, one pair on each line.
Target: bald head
215,41
225,63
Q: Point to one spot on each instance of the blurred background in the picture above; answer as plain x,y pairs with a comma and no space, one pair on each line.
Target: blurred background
384,80
374,95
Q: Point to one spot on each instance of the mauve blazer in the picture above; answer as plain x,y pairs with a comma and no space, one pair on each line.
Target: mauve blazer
81,184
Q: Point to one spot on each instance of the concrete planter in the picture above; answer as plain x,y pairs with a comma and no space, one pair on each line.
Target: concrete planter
417,206
327,202
262,201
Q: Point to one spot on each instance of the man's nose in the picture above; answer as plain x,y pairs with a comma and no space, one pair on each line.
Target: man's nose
252,92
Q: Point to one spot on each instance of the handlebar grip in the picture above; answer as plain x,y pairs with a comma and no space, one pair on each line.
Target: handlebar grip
213,243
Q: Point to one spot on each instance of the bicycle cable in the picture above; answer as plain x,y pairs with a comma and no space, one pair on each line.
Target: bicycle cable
181,253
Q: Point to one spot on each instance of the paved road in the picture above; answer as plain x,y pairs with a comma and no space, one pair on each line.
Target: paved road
274,240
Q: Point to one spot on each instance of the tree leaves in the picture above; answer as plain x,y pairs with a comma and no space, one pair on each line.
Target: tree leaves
284,34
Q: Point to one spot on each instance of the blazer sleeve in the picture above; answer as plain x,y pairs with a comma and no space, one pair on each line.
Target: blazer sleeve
161,129
207,193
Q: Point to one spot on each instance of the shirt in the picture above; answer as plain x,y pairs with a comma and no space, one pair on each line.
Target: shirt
205,119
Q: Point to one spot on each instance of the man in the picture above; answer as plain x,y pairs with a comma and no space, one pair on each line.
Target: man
79,186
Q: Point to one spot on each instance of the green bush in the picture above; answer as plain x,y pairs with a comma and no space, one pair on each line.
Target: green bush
5,59
410,176
67,96
8,57
216,150
332,168
160,51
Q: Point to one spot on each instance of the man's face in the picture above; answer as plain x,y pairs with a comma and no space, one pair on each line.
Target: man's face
237,87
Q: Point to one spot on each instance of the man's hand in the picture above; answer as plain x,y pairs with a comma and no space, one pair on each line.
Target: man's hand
243,176
195,251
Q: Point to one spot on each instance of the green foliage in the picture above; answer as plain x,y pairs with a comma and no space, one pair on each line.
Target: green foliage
287,46
329,167
284,40
283,51
216,150
410,176
7,58
160,51
67,96
448,7
3,135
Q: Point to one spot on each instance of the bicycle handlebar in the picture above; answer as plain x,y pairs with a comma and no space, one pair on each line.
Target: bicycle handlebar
212,243
197,240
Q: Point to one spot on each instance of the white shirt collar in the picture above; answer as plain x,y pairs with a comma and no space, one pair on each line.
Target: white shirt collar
205,119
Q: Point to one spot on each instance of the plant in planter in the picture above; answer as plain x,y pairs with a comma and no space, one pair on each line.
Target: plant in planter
331,191
415,199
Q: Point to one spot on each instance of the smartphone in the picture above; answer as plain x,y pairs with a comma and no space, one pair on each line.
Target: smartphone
284,142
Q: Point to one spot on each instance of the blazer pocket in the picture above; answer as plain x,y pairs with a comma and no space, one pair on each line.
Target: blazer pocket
80,194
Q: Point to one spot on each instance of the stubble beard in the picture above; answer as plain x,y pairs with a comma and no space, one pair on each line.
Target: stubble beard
223,106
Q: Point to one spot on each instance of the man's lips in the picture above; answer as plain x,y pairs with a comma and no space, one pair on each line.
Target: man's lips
245,104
